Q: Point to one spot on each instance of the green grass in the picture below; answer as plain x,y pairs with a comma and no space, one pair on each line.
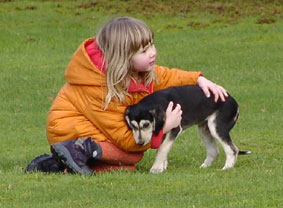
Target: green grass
238,44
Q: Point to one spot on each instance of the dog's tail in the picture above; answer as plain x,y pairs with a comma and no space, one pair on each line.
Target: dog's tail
244,152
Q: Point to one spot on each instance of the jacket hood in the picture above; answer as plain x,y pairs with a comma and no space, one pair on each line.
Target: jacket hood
86,68
82,70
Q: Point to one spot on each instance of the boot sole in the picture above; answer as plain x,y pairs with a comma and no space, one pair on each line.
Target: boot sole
61,153
44,163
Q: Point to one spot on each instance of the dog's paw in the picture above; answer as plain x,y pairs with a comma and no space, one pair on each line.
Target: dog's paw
226,167
230,162
159,167
204,165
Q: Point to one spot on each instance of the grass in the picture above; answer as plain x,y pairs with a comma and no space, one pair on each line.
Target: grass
237,44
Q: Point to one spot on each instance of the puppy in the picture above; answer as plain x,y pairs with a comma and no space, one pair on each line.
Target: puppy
214,120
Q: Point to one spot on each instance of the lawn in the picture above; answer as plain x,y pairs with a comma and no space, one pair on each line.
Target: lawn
237,44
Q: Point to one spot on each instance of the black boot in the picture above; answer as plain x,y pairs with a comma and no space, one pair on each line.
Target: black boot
75,154
45,163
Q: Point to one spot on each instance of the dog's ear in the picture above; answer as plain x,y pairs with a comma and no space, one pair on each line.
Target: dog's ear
127,111
127,117
159,117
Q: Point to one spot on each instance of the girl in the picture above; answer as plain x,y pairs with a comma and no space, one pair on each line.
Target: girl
85,125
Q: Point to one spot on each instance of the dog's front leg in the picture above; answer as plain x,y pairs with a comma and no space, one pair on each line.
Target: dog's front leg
160,164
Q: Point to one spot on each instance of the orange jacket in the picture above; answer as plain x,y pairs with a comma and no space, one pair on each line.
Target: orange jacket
78,110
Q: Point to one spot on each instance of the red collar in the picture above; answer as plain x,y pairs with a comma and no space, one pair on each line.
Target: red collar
96,56
139,87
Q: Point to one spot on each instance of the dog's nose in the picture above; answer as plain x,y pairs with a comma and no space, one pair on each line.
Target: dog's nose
140,143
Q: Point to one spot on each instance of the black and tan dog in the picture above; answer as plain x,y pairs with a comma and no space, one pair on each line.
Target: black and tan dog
214,120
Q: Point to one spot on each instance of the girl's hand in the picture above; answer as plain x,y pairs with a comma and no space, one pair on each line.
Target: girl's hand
173,117
208,86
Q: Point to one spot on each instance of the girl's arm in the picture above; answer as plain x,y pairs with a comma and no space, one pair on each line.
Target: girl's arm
175,77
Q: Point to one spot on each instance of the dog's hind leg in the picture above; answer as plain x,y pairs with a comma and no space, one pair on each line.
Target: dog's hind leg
220,131
161,162
209,142
231,152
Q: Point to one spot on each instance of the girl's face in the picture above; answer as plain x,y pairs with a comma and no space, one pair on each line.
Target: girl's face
144,59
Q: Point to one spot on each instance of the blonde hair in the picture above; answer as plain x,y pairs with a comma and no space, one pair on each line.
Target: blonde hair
119,40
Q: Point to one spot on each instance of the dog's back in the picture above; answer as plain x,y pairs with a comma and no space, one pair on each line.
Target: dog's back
195,105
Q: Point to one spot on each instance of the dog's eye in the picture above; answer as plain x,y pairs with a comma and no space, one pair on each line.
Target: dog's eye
134,125
146,125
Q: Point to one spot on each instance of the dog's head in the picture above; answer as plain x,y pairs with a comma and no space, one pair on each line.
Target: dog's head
144,122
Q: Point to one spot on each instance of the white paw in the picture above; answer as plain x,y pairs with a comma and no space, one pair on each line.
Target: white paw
230,162
227,167
159,167
204,165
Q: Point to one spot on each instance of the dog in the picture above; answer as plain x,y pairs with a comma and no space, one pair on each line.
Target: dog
214,120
